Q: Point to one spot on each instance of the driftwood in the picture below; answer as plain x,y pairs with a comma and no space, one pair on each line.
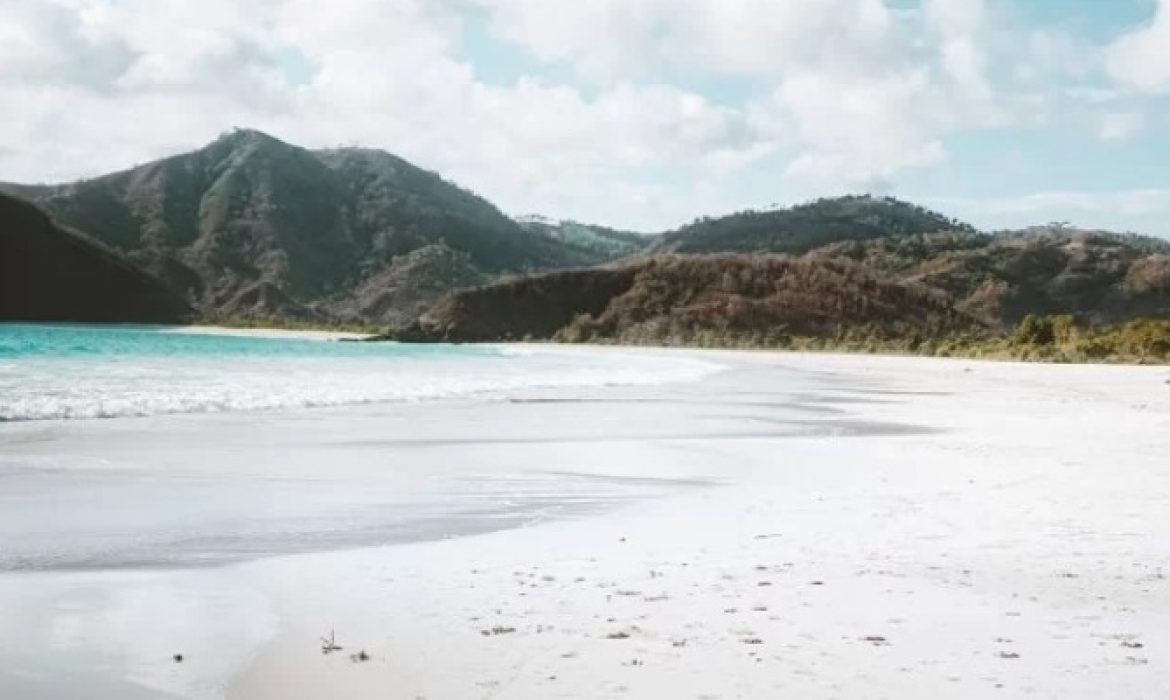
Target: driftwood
328,646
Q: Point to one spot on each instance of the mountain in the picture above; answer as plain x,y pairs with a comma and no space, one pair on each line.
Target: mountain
413,281
252,226
51,274
675,298
592,241
1097,277
806,227
907,287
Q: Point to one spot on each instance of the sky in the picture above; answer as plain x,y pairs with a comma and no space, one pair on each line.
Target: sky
638,114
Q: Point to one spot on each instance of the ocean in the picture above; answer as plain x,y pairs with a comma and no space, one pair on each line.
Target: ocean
147,475
65,371
131,446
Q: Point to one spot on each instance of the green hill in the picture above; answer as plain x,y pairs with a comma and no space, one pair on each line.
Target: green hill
805,227
250,226
592,241
51,274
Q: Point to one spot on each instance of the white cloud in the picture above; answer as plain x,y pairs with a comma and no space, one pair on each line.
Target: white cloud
604,39
384,75
959,24
858,131
850,94
860,90
766,38
1052,55
1121,126
1147,210
620,39
1141,59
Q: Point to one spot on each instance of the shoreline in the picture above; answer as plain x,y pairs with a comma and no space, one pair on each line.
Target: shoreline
854,580
274,333
815,347
761,531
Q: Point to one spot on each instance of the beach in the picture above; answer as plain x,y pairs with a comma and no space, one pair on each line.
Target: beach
774,525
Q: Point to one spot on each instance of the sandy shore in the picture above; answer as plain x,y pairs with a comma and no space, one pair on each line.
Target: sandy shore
279,333
794,526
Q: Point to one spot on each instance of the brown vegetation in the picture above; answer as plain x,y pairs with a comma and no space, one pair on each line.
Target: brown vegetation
1099,278
685,299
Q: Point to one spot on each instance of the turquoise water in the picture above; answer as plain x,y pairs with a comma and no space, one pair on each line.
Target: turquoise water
30,340
65,372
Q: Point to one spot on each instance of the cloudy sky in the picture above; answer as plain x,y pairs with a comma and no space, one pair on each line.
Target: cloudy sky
634,113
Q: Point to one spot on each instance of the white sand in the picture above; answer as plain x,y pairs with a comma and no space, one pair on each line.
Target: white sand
964,530
277,333
1021,551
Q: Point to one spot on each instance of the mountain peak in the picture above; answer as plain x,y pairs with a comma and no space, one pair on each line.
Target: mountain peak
251,225
247,141
241,135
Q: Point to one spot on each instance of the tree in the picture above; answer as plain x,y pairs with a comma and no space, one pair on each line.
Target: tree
1034,330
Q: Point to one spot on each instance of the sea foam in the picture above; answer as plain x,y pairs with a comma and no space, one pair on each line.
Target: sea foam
80,372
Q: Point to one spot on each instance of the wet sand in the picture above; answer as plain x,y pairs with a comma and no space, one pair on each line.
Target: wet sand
796,525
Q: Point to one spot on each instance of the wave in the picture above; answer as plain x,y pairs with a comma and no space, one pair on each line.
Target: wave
89,387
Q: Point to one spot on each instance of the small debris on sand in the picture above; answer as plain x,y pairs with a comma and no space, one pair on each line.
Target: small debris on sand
328,646
497,630
178,658
618,635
